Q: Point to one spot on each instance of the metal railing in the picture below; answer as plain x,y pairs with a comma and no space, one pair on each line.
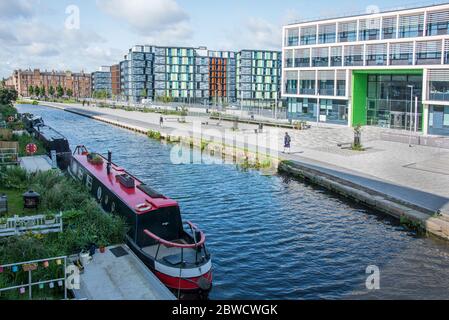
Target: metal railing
34,265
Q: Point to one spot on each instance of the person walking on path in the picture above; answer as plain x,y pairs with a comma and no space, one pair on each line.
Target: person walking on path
161,121
287,143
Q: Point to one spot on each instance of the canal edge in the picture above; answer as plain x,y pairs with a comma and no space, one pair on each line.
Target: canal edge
433,224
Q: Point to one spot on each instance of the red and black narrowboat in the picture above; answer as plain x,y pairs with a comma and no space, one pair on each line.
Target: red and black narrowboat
179,258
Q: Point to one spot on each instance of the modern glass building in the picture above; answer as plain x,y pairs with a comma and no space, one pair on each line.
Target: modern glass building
136,74
181,74
102,80
370,69
258,78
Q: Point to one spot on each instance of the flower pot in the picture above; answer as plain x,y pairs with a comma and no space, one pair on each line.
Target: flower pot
3,226
102,249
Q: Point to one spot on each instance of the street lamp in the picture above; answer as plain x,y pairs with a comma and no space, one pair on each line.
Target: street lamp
412,87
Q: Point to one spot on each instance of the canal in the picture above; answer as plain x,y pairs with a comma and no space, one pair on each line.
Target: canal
274,237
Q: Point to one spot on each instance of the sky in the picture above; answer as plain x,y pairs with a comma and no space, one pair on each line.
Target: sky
86,34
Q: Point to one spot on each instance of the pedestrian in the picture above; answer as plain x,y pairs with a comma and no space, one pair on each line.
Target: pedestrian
287,143
161,121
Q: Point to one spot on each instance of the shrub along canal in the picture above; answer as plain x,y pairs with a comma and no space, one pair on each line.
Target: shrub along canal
274,237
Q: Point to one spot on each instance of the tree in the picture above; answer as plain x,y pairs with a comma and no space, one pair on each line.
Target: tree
7,96
69,93
59,91
30,90
43,91
37,91
51,91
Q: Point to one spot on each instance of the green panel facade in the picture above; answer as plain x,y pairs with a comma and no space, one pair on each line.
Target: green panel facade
360,90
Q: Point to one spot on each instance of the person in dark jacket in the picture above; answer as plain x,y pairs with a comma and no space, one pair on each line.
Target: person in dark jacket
287,143
161,121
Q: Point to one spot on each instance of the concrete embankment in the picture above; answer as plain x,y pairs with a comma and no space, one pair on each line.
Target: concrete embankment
409,213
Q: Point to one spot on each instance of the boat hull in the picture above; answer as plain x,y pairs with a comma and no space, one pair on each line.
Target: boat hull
194,283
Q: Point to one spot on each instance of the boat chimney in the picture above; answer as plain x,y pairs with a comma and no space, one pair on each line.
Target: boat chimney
108,168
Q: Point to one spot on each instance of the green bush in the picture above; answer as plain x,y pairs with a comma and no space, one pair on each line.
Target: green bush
84,221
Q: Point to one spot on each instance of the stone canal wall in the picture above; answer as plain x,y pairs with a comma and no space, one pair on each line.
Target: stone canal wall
411,215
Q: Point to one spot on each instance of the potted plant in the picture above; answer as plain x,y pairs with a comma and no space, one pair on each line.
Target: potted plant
3,223
95,159
50,218
102,247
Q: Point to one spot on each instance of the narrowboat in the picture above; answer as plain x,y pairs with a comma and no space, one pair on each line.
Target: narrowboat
51,139
174,251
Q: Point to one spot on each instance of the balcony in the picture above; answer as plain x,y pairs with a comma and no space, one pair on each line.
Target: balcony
439,96
327,92
307,91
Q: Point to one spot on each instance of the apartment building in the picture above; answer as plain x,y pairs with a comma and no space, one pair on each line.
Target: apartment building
78,83
115,80
388,69
222,77
151,72
102,81
258,78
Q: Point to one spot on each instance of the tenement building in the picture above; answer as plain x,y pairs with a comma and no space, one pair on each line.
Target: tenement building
388,69
78,84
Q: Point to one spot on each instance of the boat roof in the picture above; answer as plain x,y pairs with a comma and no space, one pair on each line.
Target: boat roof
49,133
132,197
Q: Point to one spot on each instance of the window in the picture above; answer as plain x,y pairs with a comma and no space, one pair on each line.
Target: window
376,55
411,26
354,56
438,23
446,52
428,52
326,82
401,53
302,58
369,29
308,35
341,83
347,32
336,57
307,82
288,58
291,85
389,28
292,37
327,33
439,85
320,57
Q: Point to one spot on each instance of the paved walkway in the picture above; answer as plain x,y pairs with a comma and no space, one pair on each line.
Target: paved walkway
418,174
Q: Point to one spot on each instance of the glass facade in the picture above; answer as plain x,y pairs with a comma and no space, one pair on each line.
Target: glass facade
439,120
390,103
331,111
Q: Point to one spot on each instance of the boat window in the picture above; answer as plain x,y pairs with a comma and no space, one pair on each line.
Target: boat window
99,193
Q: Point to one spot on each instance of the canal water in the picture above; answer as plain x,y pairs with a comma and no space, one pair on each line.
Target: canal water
274,237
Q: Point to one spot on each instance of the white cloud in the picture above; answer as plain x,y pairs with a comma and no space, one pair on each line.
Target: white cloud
150,18
16,8
255,33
